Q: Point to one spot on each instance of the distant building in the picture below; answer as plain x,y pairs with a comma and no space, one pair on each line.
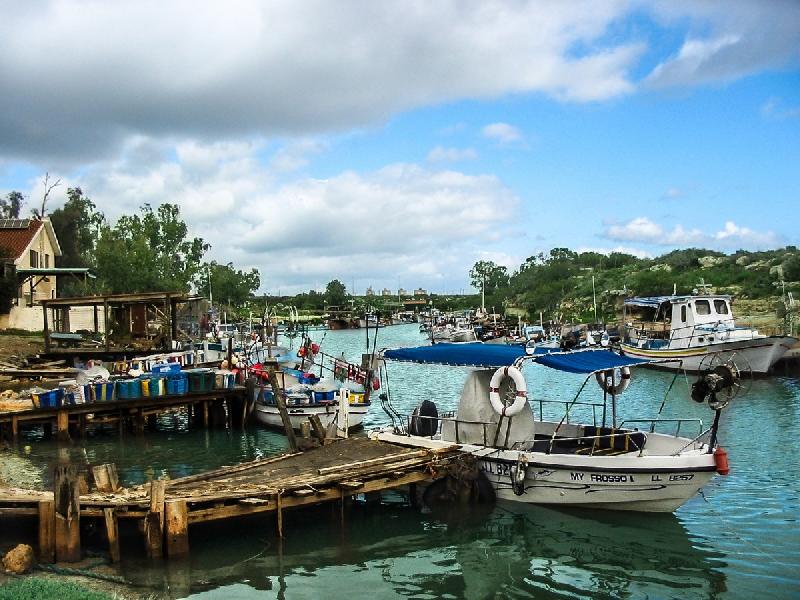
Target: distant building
370,291
420,292
401,292
386,292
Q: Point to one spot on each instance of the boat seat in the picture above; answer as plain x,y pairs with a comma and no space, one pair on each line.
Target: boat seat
609,441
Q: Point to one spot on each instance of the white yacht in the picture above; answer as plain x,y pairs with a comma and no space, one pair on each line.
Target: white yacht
689,328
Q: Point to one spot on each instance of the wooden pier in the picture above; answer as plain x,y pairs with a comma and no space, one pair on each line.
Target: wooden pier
229,407
165,509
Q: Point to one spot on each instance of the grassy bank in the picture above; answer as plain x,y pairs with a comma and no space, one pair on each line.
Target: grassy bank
37,588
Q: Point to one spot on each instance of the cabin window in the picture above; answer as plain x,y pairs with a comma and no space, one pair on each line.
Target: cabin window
683,314
702,307
721,307
34,256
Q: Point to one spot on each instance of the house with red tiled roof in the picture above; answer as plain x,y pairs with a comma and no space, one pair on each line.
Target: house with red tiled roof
26,245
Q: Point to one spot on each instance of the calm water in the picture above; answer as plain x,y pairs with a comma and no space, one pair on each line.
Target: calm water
740,540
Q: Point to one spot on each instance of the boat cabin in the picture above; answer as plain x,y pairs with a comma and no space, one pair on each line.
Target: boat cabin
679,321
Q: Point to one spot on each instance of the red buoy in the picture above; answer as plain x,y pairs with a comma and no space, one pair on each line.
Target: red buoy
721,460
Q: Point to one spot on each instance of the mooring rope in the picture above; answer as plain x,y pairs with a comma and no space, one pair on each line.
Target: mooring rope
83,573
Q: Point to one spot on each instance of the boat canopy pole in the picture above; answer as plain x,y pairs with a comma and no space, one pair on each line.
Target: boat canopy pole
669,389
566,413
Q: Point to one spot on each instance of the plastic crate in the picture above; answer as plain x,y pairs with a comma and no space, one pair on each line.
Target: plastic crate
129,388
166,368
51,399
177,385
102,392
324,396
223,380
152,387
201,380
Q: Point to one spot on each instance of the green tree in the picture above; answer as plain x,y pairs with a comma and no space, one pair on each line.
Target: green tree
148,252
335,293
489,274
228,284
11,205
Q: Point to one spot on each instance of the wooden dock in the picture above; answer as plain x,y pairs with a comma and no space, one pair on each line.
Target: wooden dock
228,407
164,509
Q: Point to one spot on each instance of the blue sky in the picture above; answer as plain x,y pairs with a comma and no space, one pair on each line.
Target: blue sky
399,142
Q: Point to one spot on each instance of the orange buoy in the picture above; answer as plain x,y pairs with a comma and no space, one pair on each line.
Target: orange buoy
721,460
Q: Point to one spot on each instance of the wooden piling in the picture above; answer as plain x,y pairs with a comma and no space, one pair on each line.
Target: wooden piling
106,478
316,425
177,524
112,533
279,513
67,514
62,425
281,404
154,520
47,540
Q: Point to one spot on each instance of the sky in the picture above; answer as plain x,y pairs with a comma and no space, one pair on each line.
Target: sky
395,143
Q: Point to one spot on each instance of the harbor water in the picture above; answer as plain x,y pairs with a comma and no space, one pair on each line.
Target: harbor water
738,539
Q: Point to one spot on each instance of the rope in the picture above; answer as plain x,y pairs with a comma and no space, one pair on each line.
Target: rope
83,573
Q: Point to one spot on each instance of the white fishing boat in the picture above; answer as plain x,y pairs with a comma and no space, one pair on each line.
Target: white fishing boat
689,328
608,463
303,404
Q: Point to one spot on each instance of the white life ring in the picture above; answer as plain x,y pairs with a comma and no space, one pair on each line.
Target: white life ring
494,391
604,381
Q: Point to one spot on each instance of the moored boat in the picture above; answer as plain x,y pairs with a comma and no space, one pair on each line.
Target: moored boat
609,464
687,329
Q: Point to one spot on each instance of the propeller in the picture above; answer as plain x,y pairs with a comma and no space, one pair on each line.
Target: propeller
722,376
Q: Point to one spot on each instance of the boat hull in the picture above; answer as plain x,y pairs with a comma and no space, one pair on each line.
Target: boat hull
268,414
631,482
759,353
647,489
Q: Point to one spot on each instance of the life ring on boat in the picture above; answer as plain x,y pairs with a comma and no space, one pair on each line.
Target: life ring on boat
604,381
494,391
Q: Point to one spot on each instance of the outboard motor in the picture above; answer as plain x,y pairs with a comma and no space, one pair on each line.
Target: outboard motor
424,420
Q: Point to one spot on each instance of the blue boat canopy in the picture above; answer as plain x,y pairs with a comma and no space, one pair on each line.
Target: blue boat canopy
492,356
588,361
460,355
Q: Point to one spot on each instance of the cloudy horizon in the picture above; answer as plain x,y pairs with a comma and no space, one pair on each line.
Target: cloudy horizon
394,144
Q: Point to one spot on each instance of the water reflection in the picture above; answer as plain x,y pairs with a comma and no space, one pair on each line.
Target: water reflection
389,550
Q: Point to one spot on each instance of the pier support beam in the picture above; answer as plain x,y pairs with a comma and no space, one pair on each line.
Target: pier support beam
67,514
154,521
177,521
62,425
112,533
47,539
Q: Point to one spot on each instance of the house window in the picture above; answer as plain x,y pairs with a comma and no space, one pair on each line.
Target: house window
46,261
34,259
721,307
702,307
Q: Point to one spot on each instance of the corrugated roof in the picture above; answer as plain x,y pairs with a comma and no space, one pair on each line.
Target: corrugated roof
16,235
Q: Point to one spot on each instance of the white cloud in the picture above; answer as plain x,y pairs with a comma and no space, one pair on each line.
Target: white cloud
502,133
402,221
774,108
639,229
282,68
642,229
727,40
673,193
733,236
441,154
